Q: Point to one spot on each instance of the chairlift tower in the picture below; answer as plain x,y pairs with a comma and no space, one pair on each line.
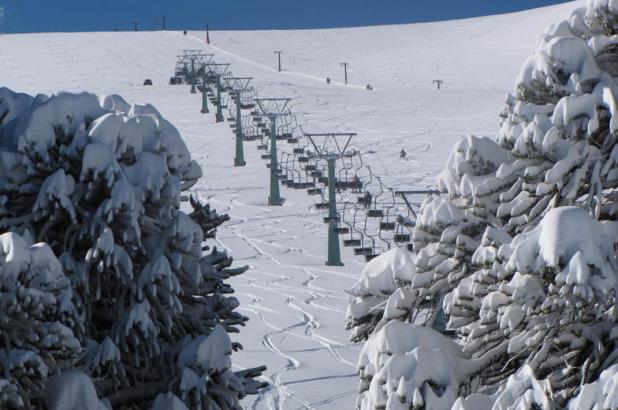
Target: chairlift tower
193,89
204,109
237,86
331,149
273,108
193,59
218,71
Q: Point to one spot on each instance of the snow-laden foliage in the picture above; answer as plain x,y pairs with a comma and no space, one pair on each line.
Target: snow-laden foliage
37,316
379,279
135,299
517,264
404,366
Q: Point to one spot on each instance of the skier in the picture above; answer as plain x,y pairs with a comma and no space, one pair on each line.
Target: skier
356,184
327,80
402,153
367,199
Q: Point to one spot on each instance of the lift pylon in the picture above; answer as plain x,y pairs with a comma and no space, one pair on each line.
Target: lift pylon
273,108
237,86
189,64
327,146
218,70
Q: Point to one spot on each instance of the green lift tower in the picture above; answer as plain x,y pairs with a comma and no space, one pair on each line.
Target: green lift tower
331,147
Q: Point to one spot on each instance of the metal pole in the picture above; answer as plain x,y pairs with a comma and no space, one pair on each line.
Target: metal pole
279,58
334,255
275,197
239,161
193,90
345,71
163,22
207,34
219,115
204,96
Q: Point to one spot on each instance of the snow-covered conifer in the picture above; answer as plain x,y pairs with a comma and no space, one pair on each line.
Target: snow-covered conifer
142,301
520,254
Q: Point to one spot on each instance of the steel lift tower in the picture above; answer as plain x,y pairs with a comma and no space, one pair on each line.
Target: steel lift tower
273,108
192,58
218,71
237,86
331,147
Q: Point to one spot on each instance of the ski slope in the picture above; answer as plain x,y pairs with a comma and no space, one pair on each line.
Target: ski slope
297,305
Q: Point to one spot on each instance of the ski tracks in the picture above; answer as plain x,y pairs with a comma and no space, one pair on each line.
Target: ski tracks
294,303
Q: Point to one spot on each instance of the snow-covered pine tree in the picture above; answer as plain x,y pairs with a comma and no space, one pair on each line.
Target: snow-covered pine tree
36,317
529,287
100,183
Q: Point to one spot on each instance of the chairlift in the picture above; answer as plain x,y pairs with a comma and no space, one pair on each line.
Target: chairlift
401,236
343,230
352,241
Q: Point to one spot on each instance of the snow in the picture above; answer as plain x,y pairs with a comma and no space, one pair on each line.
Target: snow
602,394
380,277
296,305
476,401
208,353
419,364
577,247
168,401
523,391
71,390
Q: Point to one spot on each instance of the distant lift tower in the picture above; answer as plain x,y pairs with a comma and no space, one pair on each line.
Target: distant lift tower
273,108
345,71
332,146
193,59
237,86
279,52
218,71
203,71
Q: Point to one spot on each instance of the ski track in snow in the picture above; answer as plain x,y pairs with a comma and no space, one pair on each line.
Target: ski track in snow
295,304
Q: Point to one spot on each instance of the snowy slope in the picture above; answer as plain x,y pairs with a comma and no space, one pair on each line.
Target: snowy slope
297,305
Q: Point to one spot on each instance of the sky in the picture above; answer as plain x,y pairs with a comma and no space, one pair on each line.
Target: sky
18,16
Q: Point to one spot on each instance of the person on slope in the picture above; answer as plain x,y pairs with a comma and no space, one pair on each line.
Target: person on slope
367,201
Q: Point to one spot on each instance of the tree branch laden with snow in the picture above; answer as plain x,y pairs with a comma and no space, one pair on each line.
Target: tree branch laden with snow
134,297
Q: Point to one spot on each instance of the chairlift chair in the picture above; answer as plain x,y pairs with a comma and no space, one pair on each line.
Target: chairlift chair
401,236
352,241
314,191
342,230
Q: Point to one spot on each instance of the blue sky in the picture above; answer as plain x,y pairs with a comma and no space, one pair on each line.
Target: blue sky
106,15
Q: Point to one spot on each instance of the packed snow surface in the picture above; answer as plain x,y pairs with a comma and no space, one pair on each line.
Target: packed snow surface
296,305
